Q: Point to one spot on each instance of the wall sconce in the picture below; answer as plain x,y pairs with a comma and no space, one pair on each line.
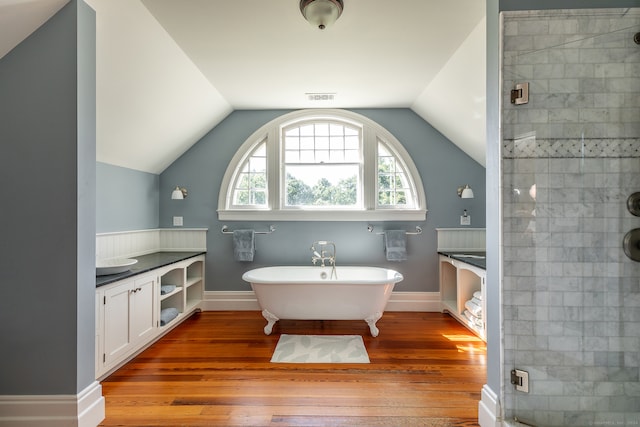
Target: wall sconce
179,193
465,192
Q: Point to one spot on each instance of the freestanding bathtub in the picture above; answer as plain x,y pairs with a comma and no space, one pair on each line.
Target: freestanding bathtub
315,293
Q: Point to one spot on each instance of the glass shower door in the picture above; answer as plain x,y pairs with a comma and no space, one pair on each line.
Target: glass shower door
570,162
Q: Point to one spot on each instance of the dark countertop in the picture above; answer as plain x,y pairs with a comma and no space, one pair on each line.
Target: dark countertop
471,260
147,263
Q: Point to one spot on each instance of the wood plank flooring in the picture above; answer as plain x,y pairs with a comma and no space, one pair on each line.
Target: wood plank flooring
213,370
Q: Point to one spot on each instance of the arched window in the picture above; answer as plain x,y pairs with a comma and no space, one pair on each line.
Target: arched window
322,165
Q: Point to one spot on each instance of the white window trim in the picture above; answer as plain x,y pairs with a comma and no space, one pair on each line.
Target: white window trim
360,204
372,133
250,151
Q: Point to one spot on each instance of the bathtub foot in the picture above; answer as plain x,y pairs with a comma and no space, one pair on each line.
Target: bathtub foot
371,321
271,319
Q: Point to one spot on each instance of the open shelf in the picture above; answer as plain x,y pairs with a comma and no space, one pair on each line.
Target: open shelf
194,285
174,299
458,282
177,290
195,272
188,277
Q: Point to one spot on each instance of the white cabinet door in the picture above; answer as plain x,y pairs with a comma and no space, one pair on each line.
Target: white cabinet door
142,309
117,309
129,317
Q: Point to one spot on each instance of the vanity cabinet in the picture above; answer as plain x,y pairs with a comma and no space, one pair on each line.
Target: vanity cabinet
128,311
129,317
458,283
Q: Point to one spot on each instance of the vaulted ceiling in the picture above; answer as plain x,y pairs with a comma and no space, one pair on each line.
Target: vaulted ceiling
168,71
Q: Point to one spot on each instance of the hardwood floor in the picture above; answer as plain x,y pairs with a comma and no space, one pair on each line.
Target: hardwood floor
214,370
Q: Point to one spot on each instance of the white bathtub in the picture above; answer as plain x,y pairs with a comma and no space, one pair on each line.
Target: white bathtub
311,293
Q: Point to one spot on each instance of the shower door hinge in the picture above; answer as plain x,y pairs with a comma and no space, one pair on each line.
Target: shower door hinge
520,95
520,379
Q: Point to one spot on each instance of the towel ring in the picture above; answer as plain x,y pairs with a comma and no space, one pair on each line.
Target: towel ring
225,230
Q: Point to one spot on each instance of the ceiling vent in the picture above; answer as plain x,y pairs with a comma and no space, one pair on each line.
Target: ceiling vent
320,96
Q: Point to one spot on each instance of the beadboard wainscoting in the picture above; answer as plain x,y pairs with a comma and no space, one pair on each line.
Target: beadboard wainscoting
247,301
461,239
124,244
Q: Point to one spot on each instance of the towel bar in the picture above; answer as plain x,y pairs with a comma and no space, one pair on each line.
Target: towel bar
225,230
415,233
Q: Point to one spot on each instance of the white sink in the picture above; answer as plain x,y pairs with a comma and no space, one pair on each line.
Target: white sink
105,267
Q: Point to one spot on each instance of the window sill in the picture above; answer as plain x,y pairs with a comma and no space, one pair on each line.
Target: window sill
297,215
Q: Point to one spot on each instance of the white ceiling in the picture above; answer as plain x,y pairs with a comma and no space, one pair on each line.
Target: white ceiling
19,18
170,70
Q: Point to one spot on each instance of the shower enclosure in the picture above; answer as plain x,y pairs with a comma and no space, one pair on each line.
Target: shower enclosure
570,162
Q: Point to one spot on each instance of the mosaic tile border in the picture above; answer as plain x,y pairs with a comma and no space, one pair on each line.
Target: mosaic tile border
532,148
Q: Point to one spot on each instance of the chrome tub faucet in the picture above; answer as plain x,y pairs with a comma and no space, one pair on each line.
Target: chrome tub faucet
324,251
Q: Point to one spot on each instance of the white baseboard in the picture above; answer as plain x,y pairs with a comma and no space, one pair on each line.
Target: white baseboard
489,409
247,301
230,301
414,301
86,409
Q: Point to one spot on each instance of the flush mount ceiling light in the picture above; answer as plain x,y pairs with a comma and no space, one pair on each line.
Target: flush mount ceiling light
321,13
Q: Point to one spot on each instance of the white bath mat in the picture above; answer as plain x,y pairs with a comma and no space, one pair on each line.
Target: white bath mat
320,349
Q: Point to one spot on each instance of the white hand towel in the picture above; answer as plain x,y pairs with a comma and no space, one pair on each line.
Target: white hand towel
474,320
473,308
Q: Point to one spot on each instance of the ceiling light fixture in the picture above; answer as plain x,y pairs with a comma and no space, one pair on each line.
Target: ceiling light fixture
321,13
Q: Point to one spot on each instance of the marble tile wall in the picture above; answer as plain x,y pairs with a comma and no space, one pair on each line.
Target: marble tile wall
571,157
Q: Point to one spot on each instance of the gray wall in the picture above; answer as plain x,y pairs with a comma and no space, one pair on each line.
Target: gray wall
442,165
48,209
127,199
86,195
